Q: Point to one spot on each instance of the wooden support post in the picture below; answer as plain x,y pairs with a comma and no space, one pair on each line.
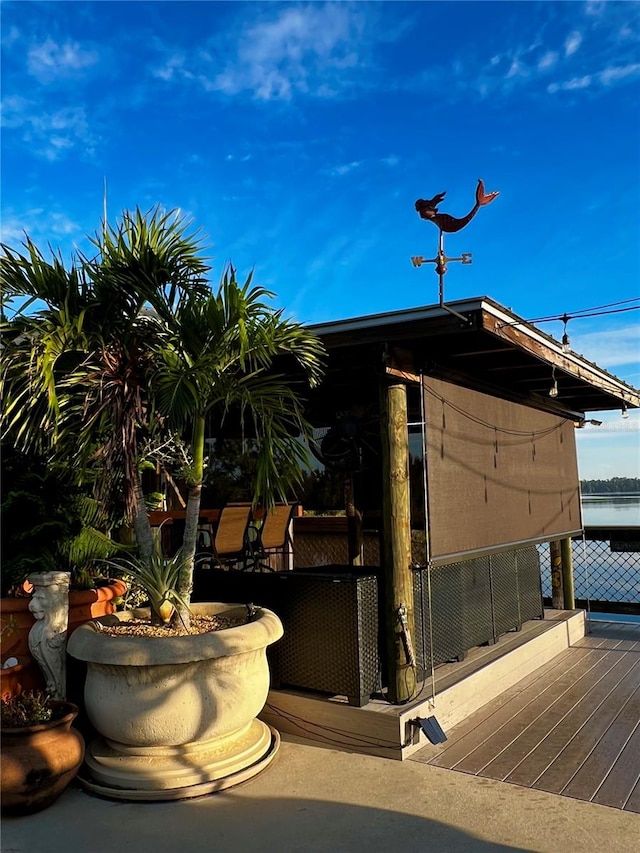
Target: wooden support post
567,575
397,542
557,597
354,523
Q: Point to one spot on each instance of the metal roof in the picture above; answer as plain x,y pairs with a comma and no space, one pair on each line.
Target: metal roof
477,343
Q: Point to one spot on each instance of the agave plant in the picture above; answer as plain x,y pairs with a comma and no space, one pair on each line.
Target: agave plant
158,576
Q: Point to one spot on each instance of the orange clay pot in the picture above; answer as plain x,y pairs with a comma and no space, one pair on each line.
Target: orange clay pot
38,762
16,620
12,677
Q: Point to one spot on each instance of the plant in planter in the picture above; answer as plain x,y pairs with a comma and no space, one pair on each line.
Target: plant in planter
49,524
52,523
41,753
163,355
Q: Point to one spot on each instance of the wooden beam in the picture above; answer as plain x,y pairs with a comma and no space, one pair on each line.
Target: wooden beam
531,341
405,375
396,518
547,404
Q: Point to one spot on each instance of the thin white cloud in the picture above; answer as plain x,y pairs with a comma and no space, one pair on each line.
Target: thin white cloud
174,67
49,60
572,43
49,134
39,224
595,8
570,85
611,348
15,109
586,48
10,36
344,168
614,73
548,60
290,50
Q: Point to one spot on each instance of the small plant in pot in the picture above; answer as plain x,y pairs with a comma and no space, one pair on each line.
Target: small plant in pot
41,752
160,354
50,523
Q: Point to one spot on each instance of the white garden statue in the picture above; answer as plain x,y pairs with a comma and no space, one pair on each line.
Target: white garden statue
48,638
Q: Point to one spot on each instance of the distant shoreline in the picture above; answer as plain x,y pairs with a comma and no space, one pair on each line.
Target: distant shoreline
609,495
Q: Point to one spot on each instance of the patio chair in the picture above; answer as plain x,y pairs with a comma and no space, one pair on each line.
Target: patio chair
230,547
273,537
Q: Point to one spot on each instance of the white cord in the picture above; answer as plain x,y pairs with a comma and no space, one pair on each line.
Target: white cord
425,491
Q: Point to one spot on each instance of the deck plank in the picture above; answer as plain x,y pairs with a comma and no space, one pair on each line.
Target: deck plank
586,710
569,760
570,728
585,783
624,636
500,755
490,720
596,683
617,788
633,803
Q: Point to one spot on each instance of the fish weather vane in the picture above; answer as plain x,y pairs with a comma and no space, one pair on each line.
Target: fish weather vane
428,209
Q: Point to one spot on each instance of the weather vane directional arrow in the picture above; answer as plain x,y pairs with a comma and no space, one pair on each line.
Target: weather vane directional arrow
428,209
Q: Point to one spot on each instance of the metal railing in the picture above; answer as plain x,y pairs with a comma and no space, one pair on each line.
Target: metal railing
606,569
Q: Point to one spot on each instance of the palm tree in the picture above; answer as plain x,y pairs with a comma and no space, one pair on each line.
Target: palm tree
230,356
134,341
75,370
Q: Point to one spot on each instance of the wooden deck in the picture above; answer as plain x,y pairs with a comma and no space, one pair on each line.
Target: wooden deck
380,728
571,727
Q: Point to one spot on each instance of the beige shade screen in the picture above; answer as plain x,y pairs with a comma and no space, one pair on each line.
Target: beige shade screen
498,473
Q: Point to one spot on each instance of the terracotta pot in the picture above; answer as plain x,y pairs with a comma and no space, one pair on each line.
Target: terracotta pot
38,762
13,677
177,715
16,620
15,623
86,604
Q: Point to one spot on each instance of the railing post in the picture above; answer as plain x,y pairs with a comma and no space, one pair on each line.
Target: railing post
557,595
567,575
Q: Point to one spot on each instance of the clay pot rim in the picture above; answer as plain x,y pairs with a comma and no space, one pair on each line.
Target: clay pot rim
111,588
66,719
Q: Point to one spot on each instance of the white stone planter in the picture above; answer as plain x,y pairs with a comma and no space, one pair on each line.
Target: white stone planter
177,715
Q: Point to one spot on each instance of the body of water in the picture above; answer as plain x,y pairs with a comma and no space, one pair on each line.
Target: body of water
599,573
611,510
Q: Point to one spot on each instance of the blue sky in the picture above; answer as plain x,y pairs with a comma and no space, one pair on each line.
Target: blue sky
299,135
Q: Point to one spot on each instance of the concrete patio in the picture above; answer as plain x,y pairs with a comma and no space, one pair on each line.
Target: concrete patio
314,798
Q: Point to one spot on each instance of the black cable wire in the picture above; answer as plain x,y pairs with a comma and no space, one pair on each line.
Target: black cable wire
581,314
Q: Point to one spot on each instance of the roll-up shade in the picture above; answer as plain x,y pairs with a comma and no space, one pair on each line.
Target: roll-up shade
498,473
